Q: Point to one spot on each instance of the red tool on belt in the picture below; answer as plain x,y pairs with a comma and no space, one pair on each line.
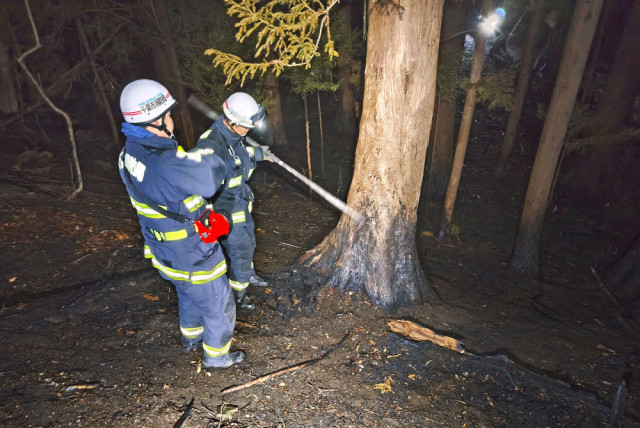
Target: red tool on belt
212,225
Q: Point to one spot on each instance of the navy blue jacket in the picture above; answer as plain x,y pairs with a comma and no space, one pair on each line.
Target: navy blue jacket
236,196
178,181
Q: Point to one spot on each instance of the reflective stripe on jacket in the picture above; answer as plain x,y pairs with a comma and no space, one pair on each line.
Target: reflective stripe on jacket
236,196
179,182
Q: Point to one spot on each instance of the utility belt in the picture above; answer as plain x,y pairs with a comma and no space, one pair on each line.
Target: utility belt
210,225
174,235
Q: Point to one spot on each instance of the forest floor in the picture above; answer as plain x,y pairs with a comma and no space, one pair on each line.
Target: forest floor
90,333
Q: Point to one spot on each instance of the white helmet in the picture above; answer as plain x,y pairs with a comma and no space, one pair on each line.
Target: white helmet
241,109
144,101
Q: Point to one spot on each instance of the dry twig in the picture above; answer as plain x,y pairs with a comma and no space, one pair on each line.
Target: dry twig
297,367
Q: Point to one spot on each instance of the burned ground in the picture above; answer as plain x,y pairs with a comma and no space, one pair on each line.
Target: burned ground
89,330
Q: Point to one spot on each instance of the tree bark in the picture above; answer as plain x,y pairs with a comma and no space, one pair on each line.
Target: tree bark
622,82
453,22
526,66
379,256
278,134
465,128
525,258
170,61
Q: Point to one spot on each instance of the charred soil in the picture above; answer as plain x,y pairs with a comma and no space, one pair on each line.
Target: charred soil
90,332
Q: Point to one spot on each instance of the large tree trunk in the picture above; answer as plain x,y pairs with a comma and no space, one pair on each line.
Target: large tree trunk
380,255
622,82
278,132
465,128
526,66
185,125
453,22
525,258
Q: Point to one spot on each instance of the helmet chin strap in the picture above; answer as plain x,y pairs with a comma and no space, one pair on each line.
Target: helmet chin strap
162,128
232,125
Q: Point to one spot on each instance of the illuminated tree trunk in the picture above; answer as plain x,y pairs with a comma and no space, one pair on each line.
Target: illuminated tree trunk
525,258
465,128
526,66
380,255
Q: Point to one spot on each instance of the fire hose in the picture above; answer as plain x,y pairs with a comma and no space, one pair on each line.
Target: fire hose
203,108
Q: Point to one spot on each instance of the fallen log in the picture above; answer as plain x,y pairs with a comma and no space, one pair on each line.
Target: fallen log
297,367
417,332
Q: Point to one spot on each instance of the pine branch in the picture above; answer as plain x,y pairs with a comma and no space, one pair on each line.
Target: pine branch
289,30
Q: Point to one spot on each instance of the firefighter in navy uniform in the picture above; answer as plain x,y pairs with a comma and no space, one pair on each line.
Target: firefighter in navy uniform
168,187
226,137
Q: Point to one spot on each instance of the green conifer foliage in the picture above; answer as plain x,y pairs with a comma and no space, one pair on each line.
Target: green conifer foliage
287,33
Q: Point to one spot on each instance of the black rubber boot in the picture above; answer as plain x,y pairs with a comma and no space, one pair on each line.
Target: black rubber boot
257,281
242,300
245,303
223,361
191,345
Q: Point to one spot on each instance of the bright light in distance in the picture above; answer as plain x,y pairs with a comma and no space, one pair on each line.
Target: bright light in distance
490,24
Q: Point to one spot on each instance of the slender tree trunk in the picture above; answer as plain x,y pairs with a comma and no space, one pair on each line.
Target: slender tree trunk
345,118
623,82
453,22
465,128
525,258
379,256
278,134
187,139
526,66
8,91
101,94
306,130
594,56
321,133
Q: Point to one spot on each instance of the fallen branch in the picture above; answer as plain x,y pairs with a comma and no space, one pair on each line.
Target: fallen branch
245,324
185,415
297,367
416,332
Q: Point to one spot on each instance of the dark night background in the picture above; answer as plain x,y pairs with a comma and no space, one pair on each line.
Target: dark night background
80,306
